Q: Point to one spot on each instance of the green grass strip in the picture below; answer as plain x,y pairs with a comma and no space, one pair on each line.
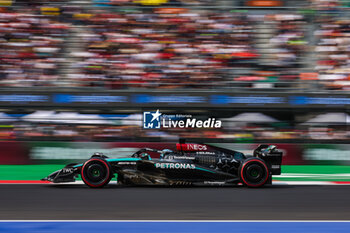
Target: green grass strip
36,172
27,172
316,169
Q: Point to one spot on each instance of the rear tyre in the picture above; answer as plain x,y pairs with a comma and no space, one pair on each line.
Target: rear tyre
96,173
254,172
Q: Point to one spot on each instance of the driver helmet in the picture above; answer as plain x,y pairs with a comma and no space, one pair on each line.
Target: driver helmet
145,155
98,154
164,152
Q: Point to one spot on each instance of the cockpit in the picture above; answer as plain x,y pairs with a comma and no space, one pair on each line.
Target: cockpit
165,154
142,153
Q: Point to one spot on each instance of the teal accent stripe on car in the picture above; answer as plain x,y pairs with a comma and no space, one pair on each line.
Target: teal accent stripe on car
203,169
115,160
123,160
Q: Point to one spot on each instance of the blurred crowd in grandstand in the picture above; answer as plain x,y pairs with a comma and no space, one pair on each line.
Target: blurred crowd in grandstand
255,132
122,44
119,44
45,125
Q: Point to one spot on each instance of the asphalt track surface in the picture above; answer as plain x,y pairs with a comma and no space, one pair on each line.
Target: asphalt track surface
77,202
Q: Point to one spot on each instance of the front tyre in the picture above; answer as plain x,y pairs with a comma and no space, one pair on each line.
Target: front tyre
96,173
254,172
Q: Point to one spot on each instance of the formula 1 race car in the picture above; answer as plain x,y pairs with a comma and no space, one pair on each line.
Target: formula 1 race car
190,164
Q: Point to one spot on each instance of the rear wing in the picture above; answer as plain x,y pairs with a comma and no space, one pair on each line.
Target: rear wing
271,155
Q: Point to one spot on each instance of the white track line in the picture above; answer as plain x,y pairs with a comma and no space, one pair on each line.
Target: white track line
275,182
303,183
303,175
141,221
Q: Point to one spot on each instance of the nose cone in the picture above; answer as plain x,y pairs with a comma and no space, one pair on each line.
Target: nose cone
66,174
52,176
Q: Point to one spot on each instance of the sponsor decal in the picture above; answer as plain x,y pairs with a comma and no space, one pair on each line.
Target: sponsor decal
333,154
205,153
157,120
307,100
127,163
175,166
24,98
191,147
67,98
196,147
214,182
67,170
183,157
172,98
251,99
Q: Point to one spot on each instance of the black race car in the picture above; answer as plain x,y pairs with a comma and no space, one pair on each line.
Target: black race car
190,164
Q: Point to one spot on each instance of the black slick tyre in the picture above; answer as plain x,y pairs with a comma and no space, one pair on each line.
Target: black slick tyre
254,172
96,173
